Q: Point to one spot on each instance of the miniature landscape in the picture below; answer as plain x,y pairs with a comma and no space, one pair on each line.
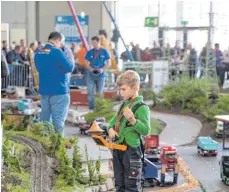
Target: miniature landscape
34,150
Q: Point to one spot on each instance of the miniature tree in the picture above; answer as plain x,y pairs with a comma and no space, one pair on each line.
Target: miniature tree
100,177
70,176
102,104
66,166
40,129
54,144
91,168
77,162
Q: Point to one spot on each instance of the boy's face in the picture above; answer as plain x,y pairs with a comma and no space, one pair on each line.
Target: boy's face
127,92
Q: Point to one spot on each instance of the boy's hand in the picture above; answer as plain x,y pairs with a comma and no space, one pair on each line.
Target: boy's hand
112,133
129,115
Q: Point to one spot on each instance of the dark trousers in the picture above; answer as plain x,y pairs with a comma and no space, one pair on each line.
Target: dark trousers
192,73
220,70
128,170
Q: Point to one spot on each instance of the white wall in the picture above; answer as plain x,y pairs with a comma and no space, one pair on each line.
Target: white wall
98,18
14,13
38,18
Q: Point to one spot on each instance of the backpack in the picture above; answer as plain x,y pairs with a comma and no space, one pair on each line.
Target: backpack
134,109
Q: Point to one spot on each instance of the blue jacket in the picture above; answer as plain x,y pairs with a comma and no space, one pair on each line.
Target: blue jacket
13,57
218,54
54,70
97,59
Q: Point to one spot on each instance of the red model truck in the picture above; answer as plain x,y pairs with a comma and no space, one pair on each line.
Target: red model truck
159,159
168,157
152,145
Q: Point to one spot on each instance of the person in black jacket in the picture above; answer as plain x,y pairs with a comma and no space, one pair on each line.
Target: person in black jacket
192,61
4,67
4,48
14,56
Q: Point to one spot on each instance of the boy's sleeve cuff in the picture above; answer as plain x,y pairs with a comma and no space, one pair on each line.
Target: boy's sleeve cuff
136,124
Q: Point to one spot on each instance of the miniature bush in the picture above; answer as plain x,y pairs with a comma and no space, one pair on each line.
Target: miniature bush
149,94
223,103
77,162
95,177
13,158
103,108
102,104
186,94
195,95
61,185
43,128
100,177
65,166
221,107
70,171
91,168
10,160
16,123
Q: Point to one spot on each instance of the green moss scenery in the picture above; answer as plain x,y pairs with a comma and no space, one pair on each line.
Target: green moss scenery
69,174
16,169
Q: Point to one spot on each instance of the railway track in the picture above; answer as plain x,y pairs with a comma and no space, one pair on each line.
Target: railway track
38,182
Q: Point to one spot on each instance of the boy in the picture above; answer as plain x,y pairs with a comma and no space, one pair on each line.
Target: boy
127,128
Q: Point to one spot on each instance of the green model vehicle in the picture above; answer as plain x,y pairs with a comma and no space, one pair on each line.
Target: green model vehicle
224,169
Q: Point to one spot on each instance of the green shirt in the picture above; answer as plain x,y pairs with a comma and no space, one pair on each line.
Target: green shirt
132,133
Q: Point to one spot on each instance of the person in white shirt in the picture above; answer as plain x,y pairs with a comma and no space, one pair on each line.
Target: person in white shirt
182,62
226,56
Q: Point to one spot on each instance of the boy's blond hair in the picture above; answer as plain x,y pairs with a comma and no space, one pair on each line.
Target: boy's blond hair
130,78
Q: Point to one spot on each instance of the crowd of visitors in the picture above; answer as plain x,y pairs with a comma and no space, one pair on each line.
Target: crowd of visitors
183,60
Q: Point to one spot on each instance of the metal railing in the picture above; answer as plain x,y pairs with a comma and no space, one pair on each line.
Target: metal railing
20,75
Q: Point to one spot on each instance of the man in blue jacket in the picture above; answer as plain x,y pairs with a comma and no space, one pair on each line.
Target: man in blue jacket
54,68
98,61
